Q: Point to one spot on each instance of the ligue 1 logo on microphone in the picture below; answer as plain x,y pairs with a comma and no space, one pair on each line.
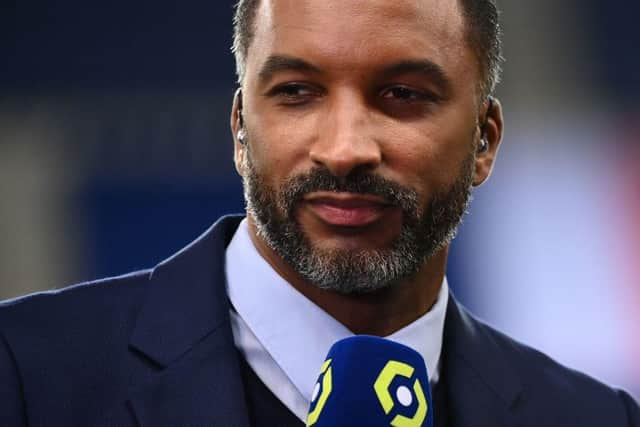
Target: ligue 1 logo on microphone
386,384
373,382
321,393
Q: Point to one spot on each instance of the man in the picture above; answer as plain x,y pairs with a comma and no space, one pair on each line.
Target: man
360,129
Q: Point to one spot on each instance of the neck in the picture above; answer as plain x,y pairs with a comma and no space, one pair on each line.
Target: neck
378,313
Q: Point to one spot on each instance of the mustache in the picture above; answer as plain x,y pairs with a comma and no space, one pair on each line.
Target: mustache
320,179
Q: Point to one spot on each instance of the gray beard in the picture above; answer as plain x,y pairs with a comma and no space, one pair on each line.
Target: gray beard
349,271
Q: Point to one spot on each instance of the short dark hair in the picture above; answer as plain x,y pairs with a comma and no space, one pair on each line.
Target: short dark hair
484,35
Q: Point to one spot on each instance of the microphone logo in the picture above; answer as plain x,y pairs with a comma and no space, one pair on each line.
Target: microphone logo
386,383
374,382
321,393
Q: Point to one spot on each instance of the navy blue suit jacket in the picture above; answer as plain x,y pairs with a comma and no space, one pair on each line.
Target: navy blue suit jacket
155,348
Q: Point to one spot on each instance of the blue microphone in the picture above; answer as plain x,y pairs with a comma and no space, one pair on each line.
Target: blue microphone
373,382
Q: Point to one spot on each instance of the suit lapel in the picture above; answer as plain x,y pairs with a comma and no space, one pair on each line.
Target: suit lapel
482,385
183,335
202,389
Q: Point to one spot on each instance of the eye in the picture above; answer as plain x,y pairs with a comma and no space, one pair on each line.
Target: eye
407,94
294,93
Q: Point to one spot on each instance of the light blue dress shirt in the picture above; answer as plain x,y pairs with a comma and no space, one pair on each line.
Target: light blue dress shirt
285,337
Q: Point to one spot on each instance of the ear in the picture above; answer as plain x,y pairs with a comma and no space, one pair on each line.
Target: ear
493,131
239,150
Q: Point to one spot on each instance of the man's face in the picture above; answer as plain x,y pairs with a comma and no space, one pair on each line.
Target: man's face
360,120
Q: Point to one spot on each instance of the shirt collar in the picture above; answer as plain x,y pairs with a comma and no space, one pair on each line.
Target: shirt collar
295,332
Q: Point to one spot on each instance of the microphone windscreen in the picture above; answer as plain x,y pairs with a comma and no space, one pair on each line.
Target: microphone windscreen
371,381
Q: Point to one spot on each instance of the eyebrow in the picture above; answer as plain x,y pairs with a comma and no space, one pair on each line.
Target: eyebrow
424,67
279,63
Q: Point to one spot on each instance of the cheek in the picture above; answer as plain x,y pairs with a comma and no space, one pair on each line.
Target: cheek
281,145
429,159
274,157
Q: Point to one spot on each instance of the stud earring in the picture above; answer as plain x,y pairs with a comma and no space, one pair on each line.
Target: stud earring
484,145
242,137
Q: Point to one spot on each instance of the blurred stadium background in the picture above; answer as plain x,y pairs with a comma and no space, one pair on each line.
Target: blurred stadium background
115,152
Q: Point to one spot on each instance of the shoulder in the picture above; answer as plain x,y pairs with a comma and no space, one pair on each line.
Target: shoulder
83,312
75,300
553,390
56,343
104,312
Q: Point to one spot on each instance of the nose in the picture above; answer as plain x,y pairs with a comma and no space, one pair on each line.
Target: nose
346,140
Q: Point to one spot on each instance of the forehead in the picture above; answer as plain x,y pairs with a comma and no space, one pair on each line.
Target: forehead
350,34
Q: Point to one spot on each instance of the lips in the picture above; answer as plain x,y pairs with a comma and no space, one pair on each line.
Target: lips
346,210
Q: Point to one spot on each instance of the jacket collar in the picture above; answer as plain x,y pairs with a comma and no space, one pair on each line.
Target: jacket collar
186,300
483,387
183,329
